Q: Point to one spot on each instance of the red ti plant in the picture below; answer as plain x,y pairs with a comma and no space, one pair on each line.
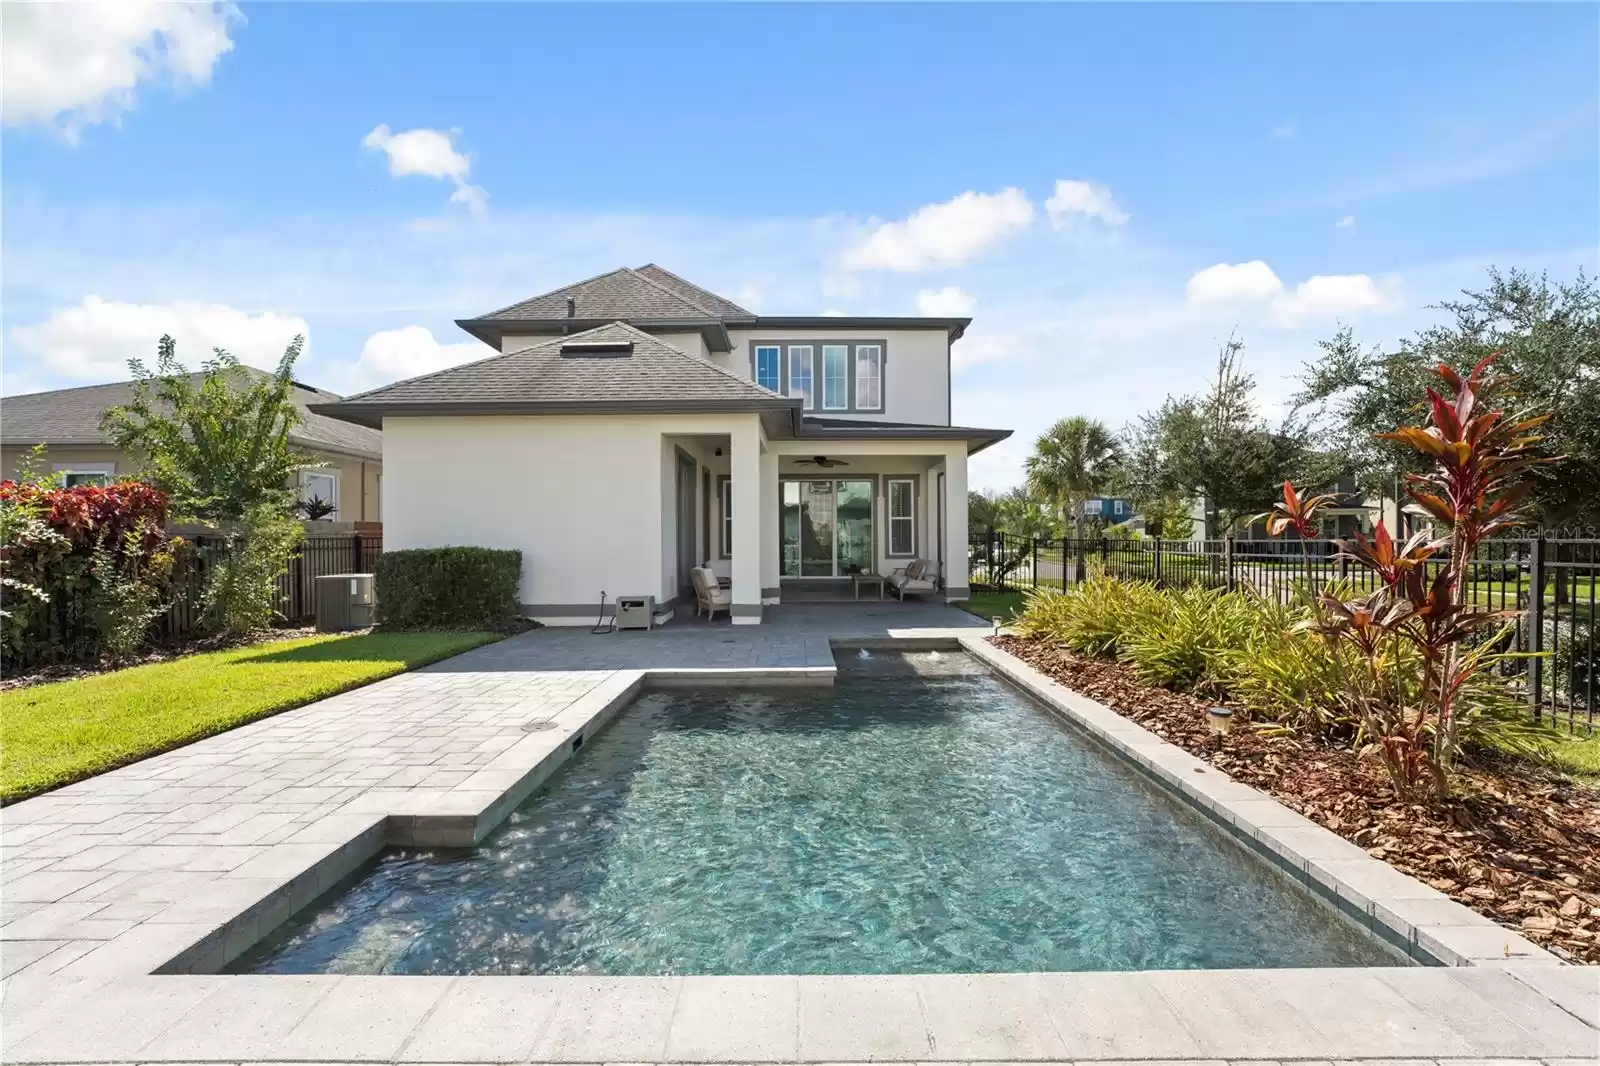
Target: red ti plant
1412,633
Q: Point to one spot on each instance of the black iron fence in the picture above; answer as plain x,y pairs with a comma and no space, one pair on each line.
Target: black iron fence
317,556
1560,622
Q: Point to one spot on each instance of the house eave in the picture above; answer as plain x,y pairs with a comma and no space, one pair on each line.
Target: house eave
977,439
492,331
372,415
954,327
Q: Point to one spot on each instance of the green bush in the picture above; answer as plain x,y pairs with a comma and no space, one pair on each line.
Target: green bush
449,588
1183,638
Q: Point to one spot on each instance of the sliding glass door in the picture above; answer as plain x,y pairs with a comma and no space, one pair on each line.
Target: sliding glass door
826,528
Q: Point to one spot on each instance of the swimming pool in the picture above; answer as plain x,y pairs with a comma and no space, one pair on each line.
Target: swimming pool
921,816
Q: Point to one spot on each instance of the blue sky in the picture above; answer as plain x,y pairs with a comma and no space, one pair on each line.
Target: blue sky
234,175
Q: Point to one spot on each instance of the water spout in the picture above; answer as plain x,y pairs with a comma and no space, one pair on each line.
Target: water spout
863,653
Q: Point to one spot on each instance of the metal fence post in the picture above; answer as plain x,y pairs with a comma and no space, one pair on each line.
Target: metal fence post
1536,576
1158,560
1227,562
1033,546
355,553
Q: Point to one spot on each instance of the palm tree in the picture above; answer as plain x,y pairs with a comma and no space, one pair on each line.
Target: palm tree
1072,462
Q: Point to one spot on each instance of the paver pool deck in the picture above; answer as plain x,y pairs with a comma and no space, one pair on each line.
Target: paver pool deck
121,896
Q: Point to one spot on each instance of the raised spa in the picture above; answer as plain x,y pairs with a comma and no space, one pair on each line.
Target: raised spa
922,816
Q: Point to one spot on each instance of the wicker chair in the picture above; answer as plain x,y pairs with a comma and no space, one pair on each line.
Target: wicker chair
708,596
916,577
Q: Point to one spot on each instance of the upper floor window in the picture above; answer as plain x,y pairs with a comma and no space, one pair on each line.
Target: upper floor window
768,360
800,374
869,377
836,377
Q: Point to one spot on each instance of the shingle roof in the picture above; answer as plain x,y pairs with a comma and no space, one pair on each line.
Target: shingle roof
623,294
72,416
648,374
721,306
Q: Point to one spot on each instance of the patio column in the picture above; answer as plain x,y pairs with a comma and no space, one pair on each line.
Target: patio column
955,523
769,527
744,465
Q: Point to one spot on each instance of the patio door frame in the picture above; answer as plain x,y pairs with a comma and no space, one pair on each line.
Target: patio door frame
874,480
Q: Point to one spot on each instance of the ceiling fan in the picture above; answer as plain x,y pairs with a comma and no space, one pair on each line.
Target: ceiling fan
820,460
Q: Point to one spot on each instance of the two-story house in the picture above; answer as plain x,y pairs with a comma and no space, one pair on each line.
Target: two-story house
633,426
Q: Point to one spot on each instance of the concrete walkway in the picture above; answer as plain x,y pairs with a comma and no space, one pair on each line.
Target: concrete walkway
174,865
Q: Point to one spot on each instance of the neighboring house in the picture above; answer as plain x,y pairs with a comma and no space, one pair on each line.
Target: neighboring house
1112,508
67,422
634,426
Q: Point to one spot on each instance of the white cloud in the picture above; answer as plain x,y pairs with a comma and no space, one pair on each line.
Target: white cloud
1325,297
395,354
1234,283
948,302
833,312
94,340
1322,297
430,154
73,65
1347,222
1084,198
946,234
975,350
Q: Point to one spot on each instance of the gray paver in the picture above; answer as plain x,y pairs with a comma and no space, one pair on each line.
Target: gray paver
363,1019
862,1019
621,1019
767,1009
988,1016
486,1019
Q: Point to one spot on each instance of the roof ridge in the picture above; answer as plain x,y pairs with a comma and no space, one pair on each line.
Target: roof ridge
692,285
653,283
551,292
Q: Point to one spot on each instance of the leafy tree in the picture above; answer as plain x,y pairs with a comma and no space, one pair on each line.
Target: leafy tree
1219,447
981,510
1025,514
1548,339
1073,461
217,442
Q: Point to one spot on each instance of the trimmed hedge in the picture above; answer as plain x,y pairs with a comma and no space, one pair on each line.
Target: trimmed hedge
448,588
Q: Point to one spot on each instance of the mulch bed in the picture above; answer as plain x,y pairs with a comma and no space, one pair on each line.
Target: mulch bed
1519,844
158,653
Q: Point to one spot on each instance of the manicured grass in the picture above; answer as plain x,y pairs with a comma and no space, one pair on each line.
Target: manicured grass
54,734
988,603
1576,753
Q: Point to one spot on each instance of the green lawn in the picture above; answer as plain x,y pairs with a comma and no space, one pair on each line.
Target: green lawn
54,734
987,603
1576,753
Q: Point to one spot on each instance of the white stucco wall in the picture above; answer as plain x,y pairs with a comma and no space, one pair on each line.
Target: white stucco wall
582,497
916,374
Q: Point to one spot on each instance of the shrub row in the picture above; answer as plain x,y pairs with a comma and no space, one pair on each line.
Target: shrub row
448,588
1252,652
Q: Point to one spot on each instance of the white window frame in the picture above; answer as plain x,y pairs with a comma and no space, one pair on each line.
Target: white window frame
106,472
869,354
777,366
907,521
843,403
803,354
307,476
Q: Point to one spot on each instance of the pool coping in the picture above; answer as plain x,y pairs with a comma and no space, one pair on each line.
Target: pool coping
1426,924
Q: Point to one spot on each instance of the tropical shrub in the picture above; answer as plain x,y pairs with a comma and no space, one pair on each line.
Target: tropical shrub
1428,677
1185,638
1094,617
58,607
449,588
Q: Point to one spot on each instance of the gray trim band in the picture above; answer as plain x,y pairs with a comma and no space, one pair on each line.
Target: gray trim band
746,610
774,591
958,592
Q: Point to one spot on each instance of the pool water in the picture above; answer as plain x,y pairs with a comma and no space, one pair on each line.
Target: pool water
922,816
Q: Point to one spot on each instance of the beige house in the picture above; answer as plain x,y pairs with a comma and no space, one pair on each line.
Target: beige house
67,422
632,427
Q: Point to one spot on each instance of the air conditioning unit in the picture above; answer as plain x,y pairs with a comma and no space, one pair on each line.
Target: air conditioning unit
344,601
636,612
